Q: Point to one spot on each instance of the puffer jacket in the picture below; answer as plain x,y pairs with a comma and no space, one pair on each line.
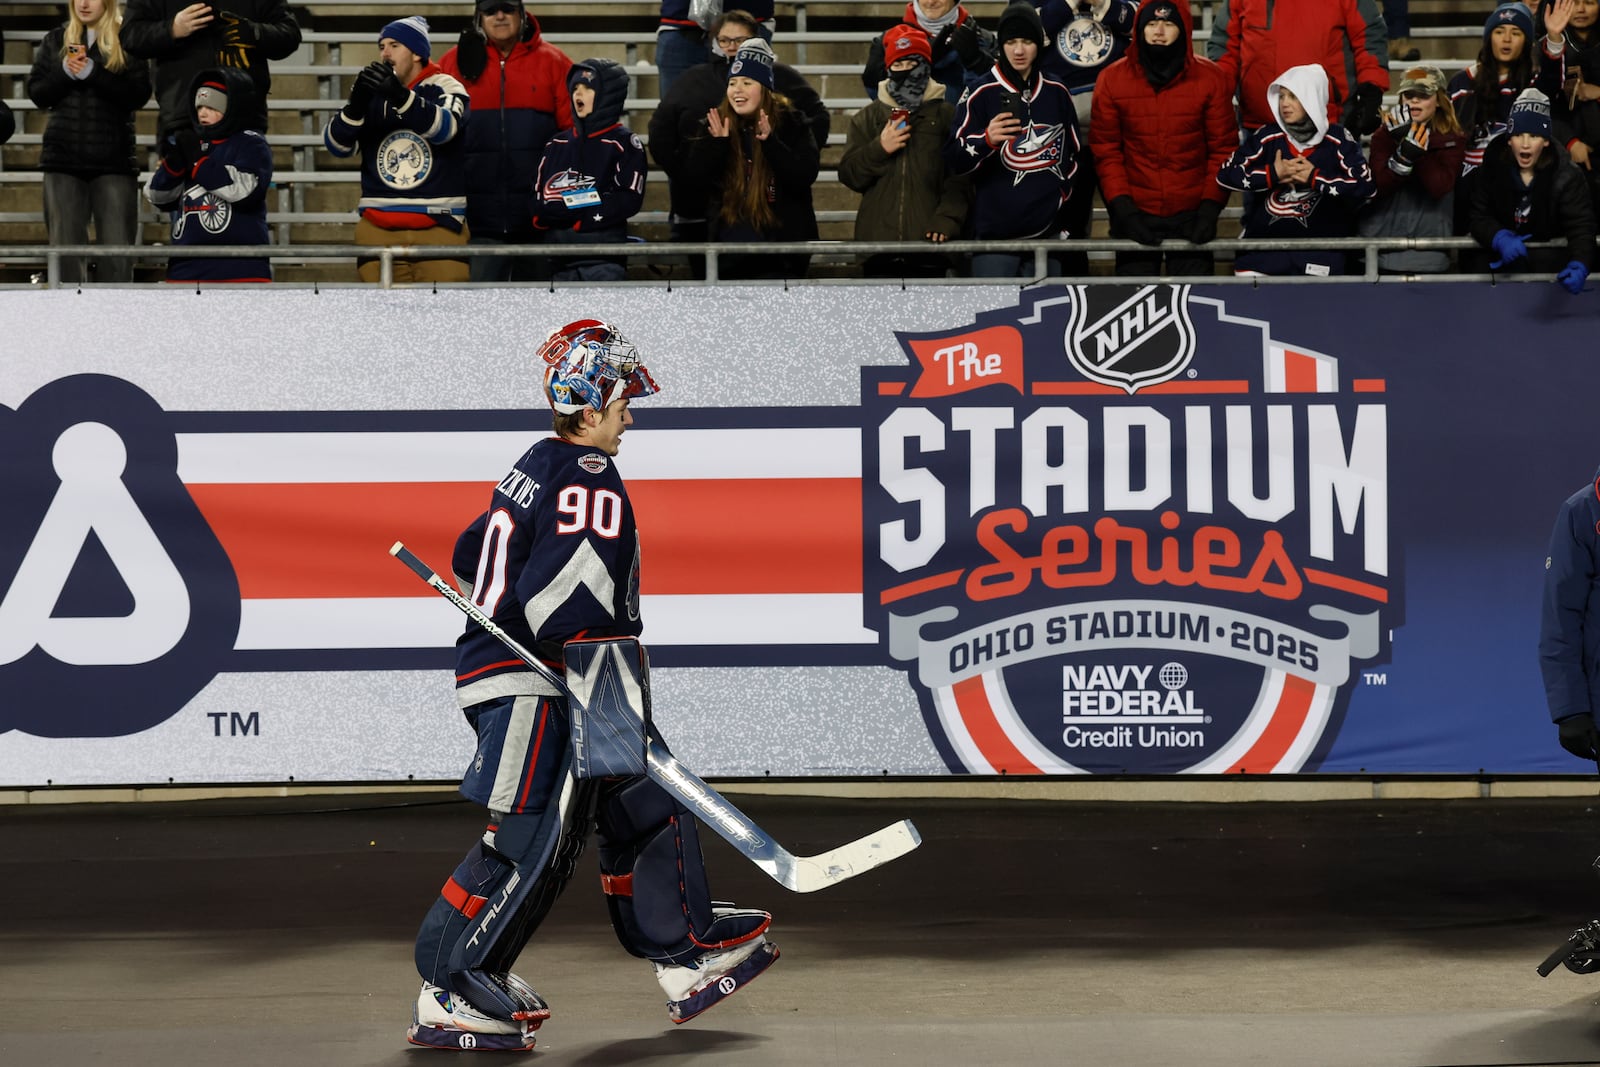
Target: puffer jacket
244,35
1561,208
90,129
1254,41
519,101
1163,147
793,162
910,193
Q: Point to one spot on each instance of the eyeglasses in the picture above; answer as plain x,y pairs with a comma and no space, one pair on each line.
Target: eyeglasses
499,9
731,42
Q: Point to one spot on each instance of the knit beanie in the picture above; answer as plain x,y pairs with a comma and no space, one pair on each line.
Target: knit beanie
213,95
411,32
904,41
1510,14
1531,114
1020,20
754,60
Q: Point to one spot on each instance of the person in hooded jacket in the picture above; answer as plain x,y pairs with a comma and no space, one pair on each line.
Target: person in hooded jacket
213,181
680,118
894,157
519,101
590,180
963,51
1308,176
1022,164
91,88
1161,129
755,162
1569,623
1528,189
183,37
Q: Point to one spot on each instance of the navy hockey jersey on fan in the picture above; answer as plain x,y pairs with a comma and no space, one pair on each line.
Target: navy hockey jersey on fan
555,557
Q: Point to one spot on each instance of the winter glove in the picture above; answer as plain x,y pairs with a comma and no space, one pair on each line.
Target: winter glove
1509,247
360,98
1129,221
1579,737
379,77
941,43
181,151
964,40
238,32
1571,279
1409,150
1204,227
1361,112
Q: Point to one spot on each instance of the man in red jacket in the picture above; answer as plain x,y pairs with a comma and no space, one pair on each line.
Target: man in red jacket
1160,127
1256,40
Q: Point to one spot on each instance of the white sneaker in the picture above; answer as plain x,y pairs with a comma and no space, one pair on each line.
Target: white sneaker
714,977
441,1019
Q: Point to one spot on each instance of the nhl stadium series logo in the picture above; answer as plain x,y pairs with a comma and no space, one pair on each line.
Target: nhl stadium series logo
1120,530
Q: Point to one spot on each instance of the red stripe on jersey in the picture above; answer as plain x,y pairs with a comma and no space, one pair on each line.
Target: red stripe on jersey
793,535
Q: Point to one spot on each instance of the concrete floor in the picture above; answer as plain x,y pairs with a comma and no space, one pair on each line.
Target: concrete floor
279,932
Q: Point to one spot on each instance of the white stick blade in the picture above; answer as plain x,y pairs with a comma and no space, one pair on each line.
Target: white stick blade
811,873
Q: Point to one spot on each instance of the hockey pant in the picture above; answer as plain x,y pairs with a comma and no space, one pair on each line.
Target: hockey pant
651,870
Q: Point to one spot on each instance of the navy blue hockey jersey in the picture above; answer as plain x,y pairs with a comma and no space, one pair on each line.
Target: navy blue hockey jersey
555,557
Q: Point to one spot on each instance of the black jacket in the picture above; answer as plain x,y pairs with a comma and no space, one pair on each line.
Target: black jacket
90,129
681,116
793,160
243,35
1561,208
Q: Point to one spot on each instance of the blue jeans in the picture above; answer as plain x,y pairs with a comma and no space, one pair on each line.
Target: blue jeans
504,268
111,200
1397,17
677,51
1011,265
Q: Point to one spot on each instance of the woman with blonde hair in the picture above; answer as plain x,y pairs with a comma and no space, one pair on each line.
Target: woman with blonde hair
1416,159
757,161
91,88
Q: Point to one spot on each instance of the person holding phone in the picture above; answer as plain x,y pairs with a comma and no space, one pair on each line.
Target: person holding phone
92,88
1017,136
893,156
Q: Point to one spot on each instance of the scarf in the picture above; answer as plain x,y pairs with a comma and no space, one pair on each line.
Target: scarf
1162,62
1301,131
907,87
932,26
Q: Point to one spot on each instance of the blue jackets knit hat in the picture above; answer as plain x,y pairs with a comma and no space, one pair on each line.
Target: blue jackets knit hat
1530,113
411,32
754,60
1509,14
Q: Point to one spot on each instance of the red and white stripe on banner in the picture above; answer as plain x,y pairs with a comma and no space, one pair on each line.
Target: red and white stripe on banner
1283,726
751,536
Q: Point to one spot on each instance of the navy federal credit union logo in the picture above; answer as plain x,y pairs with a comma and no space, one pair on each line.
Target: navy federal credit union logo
1118,530
116,599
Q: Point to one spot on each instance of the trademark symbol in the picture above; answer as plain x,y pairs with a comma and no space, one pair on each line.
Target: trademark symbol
236,725
1374,678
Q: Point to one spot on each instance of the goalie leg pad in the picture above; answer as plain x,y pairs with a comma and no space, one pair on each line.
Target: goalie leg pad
655,881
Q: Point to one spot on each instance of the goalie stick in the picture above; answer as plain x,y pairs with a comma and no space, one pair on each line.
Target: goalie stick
800,874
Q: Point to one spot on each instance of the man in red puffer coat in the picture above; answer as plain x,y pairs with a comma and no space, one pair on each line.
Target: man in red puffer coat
1160,127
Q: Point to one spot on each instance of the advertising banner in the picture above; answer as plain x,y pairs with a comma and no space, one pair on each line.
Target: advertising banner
1101,529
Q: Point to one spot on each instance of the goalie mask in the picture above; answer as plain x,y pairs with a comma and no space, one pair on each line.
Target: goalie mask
589,364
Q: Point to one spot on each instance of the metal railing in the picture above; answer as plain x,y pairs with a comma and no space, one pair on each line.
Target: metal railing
1039,251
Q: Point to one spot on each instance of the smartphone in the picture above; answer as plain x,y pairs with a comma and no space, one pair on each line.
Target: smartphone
1014,103
898,116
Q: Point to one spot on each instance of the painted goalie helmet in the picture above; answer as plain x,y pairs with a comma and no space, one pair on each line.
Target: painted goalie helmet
589,364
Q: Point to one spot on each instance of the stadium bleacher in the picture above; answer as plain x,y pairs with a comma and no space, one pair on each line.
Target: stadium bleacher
314,194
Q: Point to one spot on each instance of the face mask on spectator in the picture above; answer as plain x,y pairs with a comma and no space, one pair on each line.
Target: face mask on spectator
908,87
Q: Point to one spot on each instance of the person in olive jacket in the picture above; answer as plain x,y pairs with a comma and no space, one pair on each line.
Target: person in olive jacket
893,157
91,88
184,37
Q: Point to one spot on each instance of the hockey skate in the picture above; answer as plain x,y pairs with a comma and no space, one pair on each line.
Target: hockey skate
714,977
441,1019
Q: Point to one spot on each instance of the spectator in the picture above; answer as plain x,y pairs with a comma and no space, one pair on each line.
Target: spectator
1397,27
183,37
213,181
756,159
1089,36
1017,135
963,51
1529,190
1308,177
1415,164
1254,39
1569,622
516,108
894,157
91,87
405,117
1484,91
1573,42
683,41
681,117
1161,129
590,181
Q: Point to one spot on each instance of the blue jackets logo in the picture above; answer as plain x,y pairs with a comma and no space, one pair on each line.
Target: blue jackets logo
1119,530
116,600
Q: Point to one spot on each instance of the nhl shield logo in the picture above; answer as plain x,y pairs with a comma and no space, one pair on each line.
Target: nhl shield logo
1130,336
